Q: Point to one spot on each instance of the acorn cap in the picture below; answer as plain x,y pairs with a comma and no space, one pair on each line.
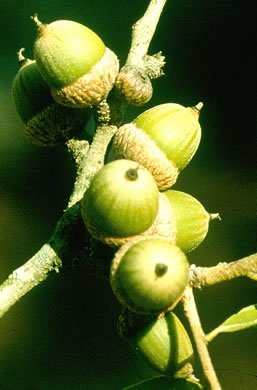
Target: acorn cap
192,220
149,276
133,86
91,88
55,125
46,122
74,62
163,139
132,143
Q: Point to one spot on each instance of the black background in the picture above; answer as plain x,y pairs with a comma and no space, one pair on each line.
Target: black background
62,335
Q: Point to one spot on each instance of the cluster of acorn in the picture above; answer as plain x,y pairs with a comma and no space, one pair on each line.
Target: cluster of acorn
129,203
72,71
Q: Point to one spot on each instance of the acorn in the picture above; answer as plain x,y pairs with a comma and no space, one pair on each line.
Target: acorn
122,202
149,276
163,139
192,220
46,123
74,62
133,86
166,345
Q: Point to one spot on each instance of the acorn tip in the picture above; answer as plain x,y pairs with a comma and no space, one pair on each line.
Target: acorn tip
21,59
214,216
199,106
36,20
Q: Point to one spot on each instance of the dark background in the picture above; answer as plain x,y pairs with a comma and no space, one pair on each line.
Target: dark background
62,335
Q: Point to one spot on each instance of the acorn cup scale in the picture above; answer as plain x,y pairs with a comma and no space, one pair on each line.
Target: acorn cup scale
122,200
164,139
133,86
149,276
75,63
46,123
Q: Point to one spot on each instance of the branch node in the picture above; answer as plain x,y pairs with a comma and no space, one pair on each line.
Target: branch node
154,65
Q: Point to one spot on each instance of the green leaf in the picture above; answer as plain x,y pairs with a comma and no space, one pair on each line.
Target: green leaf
245,318
165,383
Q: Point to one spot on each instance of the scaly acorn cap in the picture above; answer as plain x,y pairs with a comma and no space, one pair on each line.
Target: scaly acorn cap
46,123
133,86
149,276
74,62
122,202
192,220
163,139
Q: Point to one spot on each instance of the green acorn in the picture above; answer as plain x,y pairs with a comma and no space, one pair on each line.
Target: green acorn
163,139
166,345
74,62
122,202
149,276
46,123
192,220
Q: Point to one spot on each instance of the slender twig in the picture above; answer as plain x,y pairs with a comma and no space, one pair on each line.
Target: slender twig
41,265
89,161
79,150
28,276
142,33
199,338
48,257
61,252
207,276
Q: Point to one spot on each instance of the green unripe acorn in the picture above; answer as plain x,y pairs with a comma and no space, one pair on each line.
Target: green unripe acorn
46,123
163,139
150,275
74,62
192,220
166,345
121,201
